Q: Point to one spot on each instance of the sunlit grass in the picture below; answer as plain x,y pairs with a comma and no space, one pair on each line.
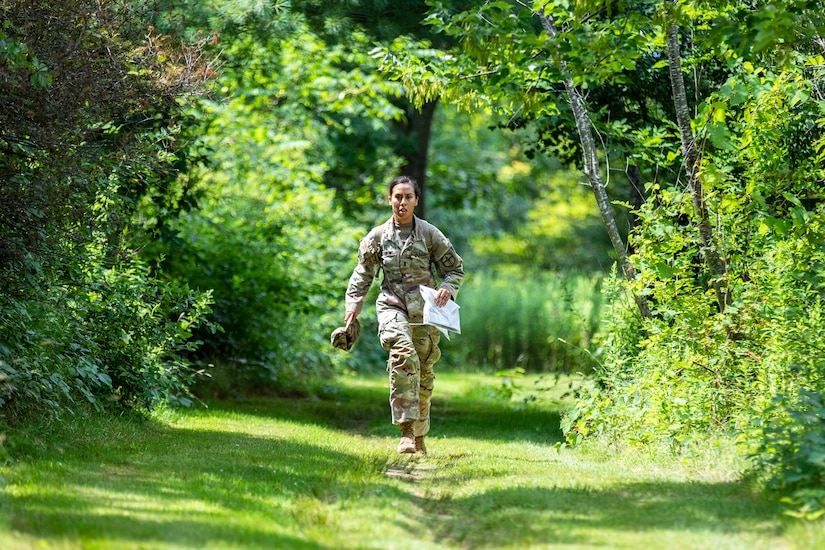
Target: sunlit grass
322,473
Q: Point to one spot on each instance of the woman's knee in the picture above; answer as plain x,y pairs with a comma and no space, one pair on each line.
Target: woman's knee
402,354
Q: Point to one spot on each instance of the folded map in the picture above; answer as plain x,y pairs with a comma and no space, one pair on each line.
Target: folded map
444,318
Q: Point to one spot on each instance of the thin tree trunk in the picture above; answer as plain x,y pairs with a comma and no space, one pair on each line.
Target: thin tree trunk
714,262
591,170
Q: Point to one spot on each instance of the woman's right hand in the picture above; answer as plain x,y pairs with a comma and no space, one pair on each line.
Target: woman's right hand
350,317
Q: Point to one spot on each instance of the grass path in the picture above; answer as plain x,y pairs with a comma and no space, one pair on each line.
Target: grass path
322,473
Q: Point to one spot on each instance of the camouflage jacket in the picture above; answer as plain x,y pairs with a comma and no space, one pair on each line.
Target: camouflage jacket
406,265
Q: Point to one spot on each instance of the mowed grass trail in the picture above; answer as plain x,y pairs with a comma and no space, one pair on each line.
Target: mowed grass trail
323,473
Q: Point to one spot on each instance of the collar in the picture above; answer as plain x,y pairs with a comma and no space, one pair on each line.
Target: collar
389,229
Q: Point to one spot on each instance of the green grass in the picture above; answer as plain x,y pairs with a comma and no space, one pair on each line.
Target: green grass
322,473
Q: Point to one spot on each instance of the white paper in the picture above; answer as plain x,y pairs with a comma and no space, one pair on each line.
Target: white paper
443,318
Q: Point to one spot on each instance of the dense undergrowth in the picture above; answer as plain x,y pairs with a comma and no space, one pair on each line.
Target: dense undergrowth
754,366
93,139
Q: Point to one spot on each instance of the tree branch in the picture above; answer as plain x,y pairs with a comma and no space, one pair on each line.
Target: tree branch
591,167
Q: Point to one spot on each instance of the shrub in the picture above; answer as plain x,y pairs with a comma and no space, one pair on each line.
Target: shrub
790,458
274,258
92,139
118,339
753,367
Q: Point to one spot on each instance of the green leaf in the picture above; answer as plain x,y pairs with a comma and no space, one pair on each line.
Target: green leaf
664,270
720,135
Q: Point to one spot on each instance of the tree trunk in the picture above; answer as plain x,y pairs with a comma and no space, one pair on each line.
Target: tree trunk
714,262
591,170
418,128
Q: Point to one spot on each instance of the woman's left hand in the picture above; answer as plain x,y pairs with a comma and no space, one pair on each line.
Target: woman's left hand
442,297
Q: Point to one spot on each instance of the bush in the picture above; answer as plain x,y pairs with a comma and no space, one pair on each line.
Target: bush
118,339
275,261
790,459
92,139
690,368
694,367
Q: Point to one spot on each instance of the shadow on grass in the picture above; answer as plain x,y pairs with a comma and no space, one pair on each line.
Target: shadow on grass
521,517
162,486
365,410
192,488
484,420
189,488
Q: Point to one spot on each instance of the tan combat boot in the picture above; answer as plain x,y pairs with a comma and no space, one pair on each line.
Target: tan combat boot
419,445
407,444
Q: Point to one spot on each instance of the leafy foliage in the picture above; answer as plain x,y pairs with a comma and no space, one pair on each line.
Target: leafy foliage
698,364
273,277
791,454
693,369
501,208
92,141
269,238
118,340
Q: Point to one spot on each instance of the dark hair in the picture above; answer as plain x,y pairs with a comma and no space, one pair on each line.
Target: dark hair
404,179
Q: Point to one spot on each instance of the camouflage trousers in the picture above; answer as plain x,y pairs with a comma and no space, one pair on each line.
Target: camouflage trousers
413,352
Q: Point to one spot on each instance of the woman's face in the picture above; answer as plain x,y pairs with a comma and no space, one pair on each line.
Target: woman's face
403,201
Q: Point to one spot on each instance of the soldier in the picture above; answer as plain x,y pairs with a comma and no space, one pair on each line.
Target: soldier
407,249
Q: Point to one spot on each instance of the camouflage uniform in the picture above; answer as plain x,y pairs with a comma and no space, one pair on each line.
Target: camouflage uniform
413,348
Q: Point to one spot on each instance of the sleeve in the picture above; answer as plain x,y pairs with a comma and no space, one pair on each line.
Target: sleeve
369,260
448,264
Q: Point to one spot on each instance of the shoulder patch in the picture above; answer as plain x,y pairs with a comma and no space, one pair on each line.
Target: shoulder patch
448,260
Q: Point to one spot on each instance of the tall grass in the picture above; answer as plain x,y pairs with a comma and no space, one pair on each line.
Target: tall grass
541,322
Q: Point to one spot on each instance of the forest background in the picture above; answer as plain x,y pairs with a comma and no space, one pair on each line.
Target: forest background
636,189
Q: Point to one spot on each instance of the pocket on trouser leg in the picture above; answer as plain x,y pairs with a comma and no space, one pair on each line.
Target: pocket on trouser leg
388,336
426,339
392,326
403,355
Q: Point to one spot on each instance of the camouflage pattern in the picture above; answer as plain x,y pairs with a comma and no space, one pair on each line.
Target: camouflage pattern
345,337
413,347
413,352
406,265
